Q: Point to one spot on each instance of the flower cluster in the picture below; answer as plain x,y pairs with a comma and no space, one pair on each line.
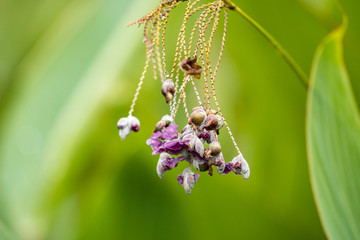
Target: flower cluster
197,144
190,145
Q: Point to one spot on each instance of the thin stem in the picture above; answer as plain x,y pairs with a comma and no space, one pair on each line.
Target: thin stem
290,61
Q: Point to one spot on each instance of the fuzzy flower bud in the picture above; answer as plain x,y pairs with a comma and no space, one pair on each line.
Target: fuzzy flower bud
166,163
220,163
188,179
134,123
124,127
240,166
168,90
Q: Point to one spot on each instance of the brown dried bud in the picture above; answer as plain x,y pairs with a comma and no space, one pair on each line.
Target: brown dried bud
197,117
211,122
168,90
190,67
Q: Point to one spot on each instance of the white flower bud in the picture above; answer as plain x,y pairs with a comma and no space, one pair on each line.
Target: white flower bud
134,123
160,168
124,127
240,166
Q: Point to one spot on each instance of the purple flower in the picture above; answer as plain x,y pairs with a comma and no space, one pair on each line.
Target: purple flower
239,166
173,147
166,163
188,179
154,141
228,168
170,132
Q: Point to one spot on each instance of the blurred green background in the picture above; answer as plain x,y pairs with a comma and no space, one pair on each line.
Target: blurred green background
68,71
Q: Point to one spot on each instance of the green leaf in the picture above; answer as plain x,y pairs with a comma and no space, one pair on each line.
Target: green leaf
333,135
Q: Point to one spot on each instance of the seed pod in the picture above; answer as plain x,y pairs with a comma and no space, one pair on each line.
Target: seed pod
211,122
215,148
168,90
197,117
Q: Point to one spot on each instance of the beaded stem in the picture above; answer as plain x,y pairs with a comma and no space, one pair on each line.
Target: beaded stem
148,56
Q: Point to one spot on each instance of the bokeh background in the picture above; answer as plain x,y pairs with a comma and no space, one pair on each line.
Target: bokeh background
68,71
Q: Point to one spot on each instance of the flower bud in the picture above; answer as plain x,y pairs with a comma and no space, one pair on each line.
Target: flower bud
122,123
124,127
166,163
159,167
124,132
220,163
134,123
197,117
240,166
188,179
168,90
211,122
215,148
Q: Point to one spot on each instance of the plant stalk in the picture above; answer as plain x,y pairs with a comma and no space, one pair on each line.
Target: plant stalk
287,57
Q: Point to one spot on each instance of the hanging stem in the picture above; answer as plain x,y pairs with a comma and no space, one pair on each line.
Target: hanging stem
290,61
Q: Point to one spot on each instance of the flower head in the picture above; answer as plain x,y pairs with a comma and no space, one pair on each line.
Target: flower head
188,179
125,125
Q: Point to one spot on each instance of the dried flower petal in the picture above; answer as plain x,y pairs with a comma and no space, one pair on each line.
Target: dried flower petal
190,67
